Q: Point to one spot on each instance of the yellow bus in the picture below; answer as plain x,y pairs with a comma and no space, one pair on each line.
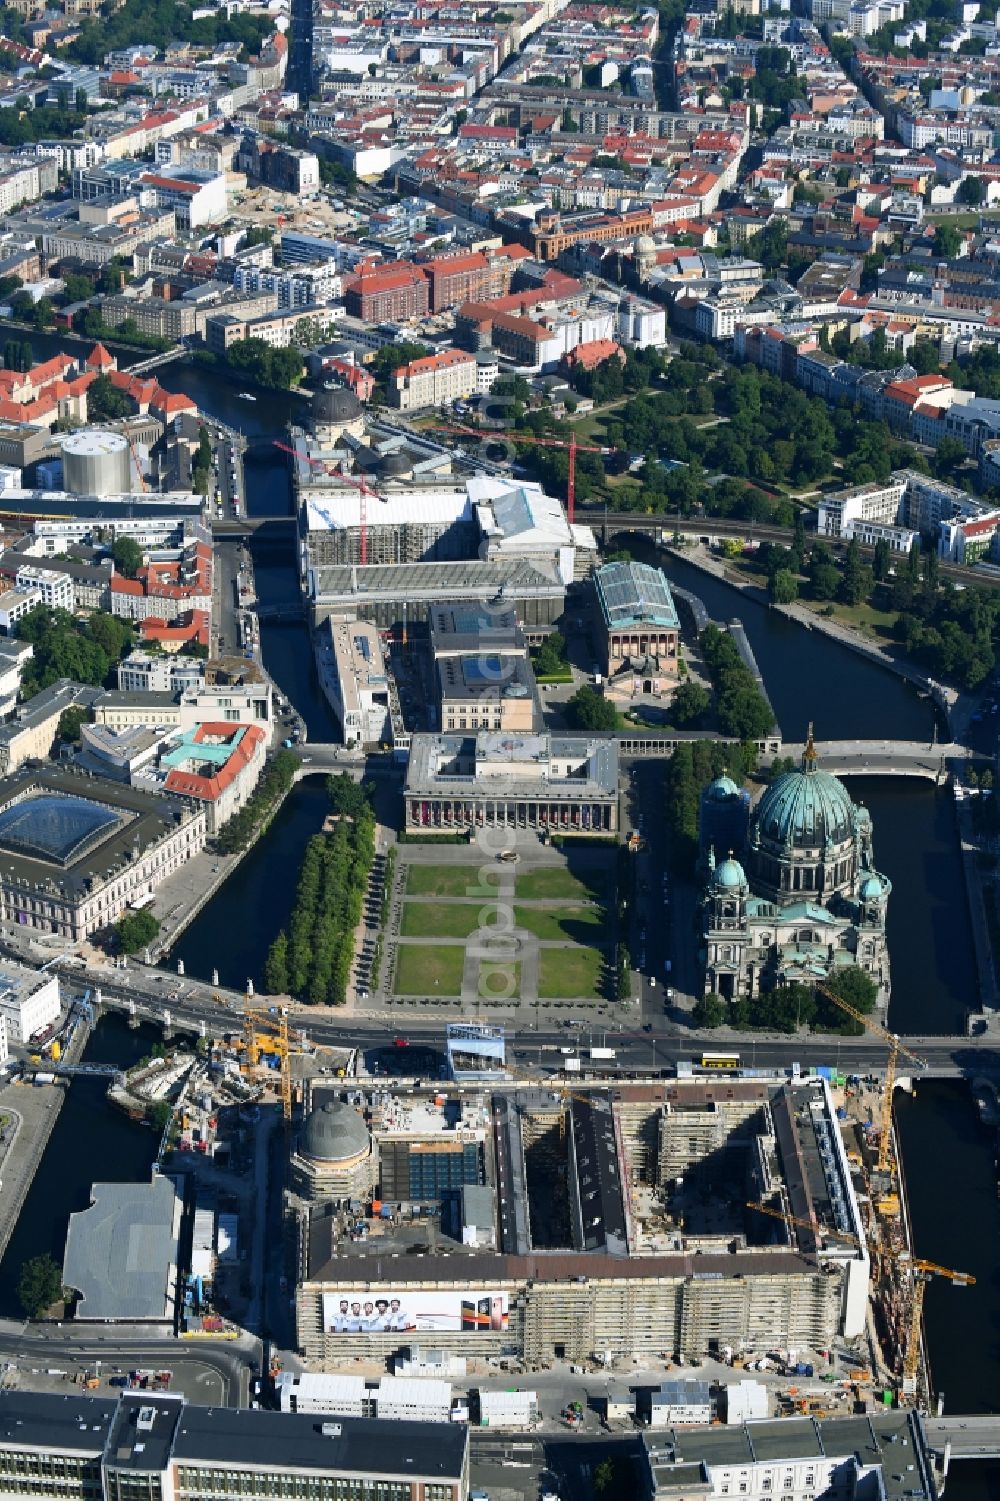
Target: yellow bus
720,1060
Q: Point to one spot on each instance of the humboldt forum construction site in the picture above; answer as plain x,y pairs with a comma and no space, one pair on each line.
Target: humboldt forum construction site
664,1220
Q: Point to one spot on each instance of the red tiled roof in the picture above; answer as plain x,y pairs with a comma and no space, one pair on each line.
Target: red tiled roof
246,740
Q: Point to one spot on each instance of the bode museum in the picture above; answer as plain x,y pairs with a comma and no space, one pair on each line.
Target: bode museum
804,899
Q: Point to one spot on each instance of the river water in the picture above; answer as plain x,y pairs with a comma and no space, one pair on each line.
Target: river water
948,1158
91,1142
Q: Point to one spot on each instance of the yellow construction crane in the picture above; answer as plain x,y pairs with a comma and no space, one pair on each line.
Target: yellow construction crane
895,1048
265,1033
923,1271
795,1219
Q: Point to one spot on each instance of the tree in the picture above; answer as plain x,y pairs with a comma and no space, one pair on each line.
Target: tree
39,1285
882,561
857,989
949,455
127,556
349,798
550,658
947,242
590,710
858,579
783,587
105,402
709,1011
70,721
689,703
971,190
391,356
136,930
276,967
159,1114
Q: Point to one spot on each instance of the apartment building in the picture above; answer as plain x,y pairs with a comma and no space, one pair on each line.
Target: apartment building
434,381
399,292
55,588
471,277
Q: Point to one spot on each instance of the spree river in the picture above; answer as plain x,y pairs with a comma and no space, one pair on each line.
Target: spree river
948,1159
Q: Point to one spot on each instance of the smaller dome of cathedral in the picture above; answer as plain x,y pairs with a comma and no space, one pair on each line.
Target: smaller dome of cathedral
721,788
730,874
872,887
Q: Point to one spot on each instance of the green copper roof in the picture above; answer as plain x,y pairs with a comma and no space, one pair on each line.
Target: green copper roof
730,873
721,788
805,809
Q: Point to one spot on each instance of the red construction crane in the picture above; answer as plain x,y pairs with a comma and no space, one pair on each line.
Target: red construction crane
570,444
359,483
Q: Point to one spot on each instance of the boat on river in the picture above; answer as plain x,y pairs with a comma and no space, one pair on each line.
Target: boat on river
245,396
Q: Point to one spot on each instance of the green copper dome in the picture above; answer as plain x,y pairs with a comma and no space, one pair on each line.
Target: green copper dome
721,788
803,809
730,874
872,888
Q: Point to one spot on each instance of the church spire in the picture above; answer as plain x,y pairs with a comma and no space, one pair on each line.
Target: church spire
809,755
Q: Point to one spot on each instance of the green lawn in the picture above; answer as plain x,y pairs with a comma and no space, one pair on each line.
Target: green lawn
439,919
557,883
429,969
866,618
443,880
499,982
567,973
558,923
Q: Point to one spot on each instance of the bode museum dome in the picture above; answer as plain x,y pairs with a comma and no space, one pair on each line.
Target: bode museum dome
801,898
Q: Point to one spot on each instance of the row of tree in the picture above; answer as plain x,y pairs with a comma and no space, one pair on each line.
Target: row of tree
312,961
789,1008
276,780
690,769
740,707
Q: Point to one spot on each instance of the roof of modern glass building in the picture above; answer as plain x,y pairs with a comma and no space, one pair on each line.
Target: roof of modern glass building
634,594
53,826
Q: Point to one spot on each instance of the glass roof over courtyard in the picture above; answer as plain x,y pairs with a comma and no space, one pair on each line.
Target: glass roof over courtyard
51,827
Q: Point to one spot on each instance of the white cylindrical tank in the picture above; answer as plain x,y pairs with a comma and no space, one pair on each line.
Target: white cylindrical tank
97,462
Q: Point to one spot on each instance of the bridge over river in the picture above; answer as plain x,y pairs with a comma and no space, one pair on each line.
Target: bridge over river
970,1436
873,758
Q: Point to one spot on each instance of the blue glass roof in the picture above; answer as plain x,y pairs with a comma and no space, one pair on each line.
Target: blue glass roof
50,827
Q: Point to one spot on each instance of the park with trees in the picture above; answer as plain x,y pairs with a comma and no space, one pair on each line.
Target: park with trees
64,646
312,961
917,612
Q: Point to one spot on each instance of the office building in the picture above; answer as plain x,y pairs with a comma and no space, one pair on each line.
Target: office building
29,1001
354,677
105,1449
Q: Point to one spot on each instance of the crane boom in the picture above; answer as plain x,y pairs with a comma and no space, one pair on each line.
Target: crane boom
895,1048
571,445
794,1219
923,1271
